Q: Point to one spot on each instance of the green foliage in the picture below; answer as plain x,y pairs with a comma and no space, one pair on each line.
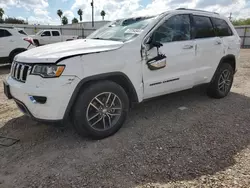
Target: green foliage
74,21
103,13
241,22
60,13
1,13
10,20
64,20
79,12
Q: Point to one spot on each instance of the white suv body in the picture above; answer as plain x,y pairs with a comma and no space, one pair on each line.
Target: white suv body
12,42
94,80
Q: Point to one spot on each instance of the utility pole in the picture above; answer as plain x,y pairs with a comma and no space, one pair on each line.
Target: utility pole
92,4
230,17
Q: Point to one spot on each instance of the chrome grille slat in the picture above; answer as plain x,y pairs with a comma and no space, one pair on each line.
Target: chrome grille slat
16,70
20,71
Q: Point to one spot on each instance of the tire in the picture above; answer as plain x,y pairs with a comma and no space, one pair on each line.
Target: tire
84,111
36,42
219,88
13,54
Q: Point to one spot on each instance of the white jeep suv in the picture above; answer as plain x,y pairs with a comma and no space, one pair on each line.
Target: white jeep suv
93,81
12,42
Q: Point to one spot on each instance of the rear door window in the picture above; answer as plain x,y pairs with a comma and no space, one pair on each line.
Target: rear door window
222,29
4,33
55,33
203,27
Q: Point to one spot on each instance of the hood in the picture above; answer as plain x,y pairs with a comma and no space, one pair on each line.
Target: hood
53,52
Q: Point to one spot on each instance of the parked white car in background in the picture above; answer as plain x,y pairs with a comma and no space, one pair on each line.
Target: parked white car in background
12,42
51,36
93,81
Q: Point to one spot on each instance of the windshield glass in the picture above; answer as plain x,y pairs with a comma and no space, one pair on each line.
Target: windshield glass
39,32
123,29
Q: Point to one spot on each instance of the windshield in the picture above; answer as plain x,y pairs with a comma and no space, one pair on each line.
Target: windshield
123,29
39,32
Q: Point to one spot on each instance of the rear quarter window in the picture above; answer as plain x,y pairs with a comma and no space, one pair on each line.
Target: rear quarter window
221,27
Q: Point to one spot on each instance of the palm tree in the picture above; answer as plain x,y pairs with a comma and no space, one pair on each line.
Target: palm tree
60,13
103,13
1,13
74,21
64,20
79,12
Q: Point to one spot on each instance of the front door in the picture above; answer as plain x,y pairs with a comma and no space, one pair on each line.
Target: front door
173,65
45,38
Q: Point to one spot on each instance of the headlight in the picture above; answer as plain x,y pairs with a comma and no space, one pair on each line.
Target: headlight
48,71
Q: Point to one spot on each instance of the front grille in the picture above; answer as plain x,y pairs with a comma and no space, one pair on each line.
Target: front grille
20,71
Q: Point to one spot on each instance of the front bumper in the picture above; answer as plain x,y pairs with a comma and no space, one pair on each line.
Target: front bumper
57,91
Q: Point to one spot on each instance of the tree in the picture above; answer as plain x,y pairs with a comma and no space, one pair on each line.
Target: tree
60,13
64,20
10,20
74,21
241,22
1,13
103,13
79,12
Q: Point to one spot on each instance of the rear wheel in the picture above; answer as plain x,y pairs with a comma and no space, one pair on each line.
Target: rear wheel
100,110
13,54
222,82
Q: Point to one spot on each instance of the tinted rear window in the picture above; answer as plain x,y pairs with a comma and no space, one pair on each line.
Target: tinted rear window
222,29
203,27
55,33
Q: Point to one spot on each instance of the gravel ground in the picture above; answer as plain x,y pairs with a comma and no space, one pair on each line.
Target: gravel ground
205,145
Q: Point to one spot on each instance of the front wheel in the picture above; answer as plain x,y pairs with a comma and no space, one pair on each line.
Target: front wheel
222,82
100,109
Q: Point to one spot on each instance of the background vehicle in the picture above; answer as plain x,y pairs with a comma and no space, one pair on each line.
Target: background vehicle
12,42
94,81
50,36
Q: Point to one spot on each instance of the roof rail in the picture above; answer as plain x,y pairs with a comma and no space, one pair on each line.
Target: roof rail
196,10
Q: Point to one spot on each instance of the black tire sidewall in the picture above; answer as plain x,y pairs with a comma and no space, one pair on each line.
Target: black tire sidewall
214,86
80,120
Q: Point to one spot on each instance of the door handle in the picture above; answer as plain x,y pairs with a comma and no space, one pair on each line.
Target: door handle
186,47
218,43
11,40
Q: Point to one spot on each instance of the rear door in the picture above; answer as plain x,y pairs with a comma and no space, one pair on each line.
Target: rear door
209,48
7,43
56,37
45,38
230,42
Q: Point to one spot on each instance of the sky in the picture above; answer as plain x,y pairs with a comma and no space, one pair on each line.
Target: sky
44,11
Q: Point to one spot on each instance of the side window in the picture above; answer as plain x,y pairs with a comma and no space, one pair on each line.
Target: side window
203,27
22,32
222,29
4,33
46,34
55,33
176,28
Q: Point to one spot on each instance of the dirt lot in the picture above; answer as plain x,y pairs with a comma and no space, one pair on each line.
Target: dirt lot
205,145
